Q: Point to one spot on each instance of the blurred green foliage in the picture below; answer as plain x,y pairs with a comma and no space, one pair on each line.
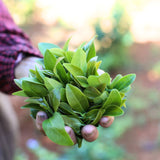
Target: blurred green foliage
114,42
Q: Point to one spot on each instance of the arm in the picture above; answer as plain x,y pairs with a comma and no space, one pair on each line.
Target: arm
14,46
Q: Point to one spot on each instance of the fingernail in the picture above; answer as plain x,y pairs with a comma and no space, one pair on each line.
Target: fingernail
106,121
71,133
89,133
41,116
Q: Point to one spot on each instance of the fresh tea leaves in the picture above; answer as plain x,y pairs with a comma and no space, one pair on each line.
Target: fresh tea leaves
70,90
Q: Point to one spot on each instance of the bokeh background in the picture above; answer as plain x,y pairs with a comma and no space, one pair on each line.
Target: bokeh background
128,42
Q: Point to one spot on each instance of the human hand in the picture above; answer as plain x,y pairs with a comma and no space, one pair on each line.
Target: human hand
89,132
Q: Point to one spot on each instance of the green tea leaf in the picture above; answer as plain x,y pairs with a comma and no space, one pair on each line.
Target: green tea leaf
69,55
113,99
115,80
57,52
54,129
125,82
113,111
52,83
79,60
54,98
100,99
20,93
74,123
67,110
33,106
89,48
40,76
75,71
76,99
90,115
49,60
83,81
98,117
65,48
33,89
61,73
92,92
18,82
34,112
44,46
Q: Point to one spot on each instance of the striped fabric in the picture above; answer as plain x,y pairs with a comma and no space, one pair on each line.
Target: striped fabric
12,42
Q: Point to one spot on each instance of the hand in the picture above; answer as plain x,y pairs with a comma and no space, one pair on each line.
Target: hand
89,132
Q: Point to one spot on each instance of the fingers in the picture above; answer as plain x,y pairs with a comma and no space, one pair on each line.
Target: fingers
40,117
71,133
106,121
89,133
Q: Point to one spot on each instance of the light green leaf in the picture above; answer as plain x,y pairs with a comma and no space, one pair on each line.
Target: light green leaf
89,48
92,92
57,52
54,129
125,82
39,75
100,99
54,98
113,99
20,93
115,80
65,48
113,111
49,60
75,71
52,83
44,46
69,55
82,80
79,60
76,99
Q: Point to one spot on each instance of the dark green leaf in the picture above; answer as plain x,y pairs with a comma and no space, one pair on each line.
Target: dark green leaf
98,117
74,123
61,73
33,106
54,129
66,109
44,46
34,112
34,89
76,99
91,115
63,95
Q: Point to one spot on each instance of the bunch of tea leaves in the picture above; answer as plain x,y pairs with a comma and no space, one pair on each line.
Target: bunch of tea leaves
70,90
